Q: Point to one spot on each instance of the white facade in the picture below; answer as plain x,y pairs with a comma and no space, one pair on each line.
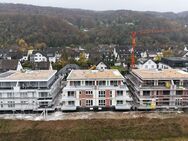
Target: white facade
101,66
96,92
34,90
148,65
38,57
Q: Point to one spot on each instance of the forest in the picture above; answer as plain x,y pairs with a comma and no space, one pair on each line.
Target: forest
59,27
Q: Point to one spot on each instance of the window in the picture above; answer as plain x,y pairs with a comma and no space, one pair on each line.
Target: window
102,103
90,83
10,95
146,93
89,102
146,66
11,104
1,104
71,93
24,102
110,93
102,83
24,95
119,102
110,102
71,103
89,92
179,92
119,93
113,83
101,93
77,83
0,95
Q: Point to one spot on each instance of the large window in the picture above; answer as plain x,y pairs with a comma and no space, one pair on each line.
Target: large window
11,104
10,95
24,95
89,102
75,83
102,103
179,92
71,93
90,83
89,92
119,93
71,103
101,93
24,102
102,83
42,94
146,93
113,83
1,104
119,102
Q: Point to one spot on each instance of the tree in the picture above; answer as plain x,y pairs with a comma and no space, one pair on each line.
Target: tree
167,53
23,46
40,46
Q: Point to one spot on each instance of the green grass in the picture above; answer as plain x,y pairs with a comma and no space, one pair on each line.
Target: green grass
94,130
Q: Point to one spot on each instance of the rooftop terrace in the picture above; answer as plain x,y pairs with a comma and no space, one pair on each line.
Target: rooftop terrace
34,75
166,74
94,74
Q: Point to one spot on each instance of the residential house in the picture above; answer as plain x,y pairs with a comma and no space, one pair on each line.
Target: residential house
145,63
102,66
158,89
38,56
95,90
28,90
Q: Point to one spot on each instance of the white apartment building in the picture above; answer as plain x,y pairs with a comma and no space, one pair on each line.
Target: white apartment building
159,89
95,90
28,90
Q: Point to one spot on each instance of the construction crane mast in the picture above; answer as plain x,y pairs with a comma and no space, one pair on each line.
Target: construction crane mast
149,31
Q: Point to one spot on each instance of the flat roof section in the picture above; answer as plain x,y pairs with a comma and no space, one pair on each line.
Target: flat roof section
94,74
33,75
166,74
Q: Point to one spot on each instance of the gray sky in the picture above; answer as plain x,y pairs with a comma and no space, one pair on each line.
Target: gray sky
139,5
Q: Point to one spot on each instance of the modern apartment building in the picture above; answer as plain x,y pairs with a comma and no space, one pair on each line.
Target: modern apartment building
28,90
154,89
95,90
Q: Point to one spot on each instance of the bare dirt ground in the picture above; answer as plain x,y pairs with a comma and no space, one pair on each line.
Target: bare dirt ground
93,115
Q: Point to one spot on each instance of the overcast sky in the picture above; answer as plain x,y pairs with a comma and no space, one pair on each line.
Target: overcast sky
139,5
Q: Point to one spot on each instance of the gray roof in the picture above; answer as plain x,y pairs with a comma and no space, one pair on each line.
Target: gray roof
8,65
66,69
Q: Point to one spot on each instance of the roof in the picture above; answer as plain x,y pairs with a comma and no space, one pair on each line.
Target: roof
34,75
94,74
8,64
144,60
166,74
68,68
176,58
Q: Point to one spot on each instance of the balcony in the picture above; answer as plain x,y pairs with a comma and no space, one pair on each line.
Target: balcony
68,108
68,98
123,106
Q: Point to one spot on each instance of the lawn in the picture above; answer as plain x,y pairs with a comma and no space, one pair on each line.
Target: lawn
93,130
